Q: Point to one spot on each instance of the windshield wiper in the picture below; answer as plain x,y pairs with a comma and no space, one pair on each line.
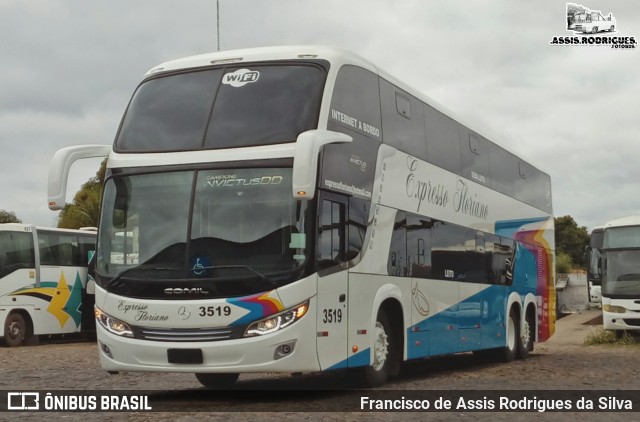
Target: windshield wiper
261,276
122,273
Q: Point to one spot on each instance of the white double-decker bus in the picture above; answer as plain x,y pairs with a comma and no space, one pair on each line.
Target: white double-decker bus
296,209
43,281
621,275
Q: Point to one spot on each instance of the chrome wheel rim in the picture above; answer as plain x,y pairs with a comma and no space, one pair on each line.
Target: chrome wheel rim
526,333
381,347
511,334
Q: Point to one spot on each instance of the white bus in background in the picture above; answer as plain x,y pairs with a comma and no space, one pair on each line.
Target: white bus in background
296,209
43,280
621,275
593,262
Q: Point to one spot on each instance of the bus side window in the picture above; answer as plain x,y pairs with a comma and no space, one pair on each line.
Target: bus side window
397,261
331,236
356,226
419,243
16,252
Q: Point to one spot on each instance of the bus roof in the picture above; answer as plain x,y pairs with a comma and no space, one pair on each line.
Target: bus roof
21,227
337,57
631,220
248,55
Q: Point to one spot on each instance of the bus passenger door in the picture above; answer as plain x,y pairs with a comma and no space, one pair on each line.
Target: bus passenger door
332,281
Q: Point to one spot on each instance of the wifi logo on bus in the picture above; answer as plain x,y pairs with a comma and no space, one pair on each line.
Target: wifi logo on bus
241,77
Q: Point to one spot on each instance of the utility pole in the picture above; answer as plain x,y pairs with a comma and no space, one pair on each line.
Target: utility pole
218,22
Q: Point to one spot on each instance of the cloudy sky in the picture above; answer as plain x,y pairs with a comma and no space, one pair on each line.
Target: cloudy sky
68,68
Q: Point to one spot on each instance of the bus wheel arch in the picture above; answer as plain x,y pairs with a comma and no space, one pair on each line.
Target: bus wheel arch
18,328
387,345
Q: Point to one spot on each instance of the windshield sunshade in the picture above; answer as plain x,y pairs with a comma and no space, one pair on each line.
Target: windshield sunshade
222,108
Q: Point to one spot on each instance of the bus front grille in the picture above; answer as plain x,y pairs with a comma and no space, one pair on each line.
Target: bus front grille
632,322
187,334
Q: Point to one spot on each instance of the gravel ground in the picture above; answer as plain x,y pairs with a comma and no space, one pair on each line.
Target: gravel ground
562,363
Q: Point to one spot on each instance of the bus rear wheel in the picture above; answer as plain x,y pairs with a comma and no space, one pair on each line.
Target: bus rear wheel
510,350
525,343
217,381
16,330
384,354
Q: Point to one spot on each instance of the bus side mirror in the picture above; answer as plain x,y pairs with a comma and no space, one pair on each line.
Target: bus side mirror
587,253
305,159
121,203
59,170
599,266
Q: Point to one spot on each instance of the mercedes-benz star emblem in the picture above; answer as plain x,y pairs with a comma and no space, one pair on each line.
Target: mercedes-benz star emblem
184,313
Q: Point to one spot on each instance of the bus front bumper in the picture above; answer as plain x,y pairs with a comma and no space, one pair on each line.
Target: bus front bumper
293,349
613,321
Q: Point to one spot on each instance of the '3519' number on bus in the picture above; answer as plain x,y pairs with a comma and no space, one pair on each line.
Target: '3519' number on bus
215,311
331,316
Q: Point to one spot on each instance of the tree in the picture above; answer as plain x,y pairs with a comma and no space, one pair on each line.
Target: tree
9,217
84,211
571,239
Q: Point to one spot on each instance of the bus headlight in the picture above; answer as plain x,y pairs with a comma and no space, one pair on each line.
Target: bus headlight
278,321
614,309
113,325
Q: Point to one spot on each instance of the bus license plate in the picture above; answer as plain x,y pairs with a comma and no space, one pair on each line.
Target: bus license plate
184,356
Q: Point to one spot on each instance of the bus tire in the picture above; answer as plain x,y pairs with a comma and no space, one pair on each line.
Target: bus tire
525,343
217,381
384,353
594,30
510,350
612,28
16,330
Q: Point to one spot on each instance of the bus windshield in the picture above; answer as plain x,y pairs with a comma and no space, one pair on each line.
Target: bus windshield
238,232
222,108
622,253
622,237
621,275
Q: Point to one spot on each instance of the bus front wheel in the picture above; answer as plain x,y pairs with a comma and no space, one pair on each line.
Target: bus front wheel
217,381
16,330
384,353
